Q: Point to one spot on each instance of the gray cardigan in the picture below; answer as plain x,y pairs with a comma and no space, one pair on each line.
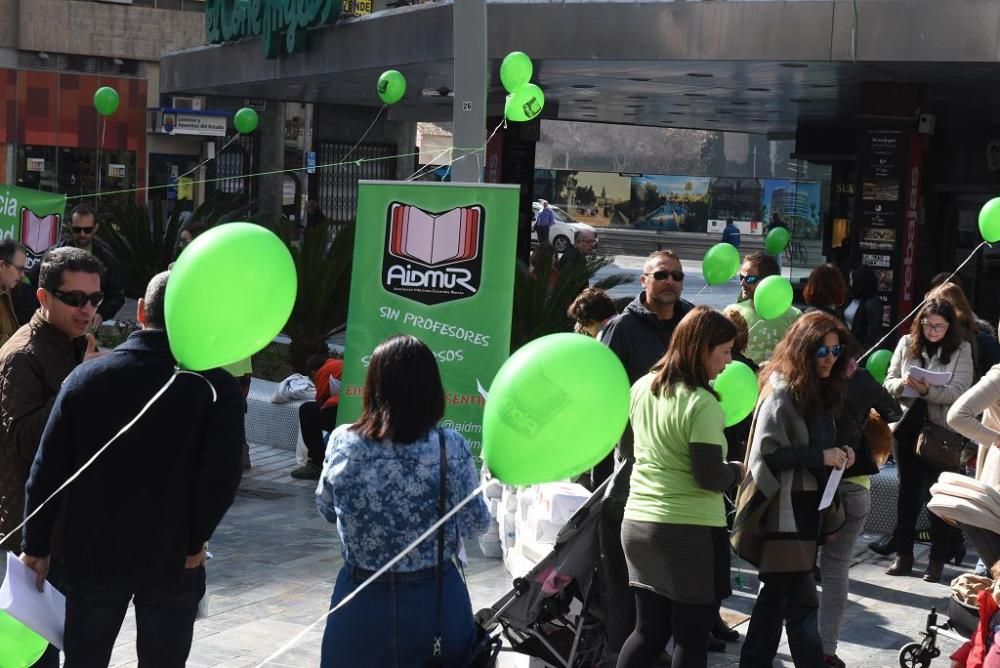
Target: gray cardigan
939,399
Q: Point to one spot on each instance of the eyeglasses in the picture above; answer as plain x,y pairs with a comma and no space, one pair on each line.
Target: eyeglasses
825,351
78,299
663,274
931,327
20,267
84,230
749,279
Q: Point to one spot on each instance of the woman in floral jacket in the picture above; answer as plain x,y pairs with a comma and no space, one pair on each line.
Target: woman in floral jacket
380,484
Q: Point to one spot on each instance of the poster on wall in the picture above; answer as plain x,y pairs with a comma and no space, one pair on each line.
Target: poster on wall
595,198
670,203
434,260
32,217
738,199
797,203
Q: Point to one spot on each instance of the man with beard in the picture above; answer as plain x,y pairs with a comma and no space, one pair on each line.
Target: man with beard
764,334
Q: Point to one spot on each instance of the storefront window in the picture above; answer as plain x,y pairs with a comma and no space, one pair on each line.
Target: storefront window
36,167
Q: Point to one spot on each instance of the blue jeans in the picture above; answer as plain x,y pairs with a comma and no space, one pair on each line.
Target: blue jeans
393,622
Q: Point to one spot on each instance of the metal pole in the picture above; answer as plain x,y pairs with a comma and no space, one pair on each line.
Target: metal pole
469,106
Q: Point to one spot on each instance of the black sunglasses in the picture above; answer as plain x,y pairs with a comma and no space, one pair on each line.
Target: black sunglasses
78,299
663,274
84,230
749,279
824,351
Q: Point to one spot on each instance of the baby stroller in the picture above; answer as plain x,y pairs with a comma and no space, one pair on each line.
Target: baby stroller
959,627
553,613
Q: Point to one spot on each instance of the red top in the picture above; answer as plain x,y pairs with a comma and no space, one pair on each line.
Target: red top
332,368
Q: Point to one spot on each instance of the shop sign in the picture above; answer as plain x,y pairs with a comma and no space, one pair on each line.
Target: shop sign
36,165
281,23
191,123
116,171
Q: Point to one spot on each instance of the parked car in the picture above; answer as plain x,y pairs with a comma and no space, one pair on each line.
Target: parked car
563,229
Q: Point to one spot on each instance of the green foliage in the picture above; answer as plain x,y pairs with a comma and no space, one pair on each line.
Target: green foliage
542,295
144,238
324,270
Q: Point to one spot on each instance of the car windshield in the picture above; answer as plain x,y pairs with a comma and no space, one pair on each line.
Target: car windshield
560,215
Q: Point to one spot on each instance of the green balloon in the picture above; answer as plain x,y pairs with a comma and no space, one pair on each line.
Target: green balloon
391,86
721,263
773,297
737,388
556,408
515,70
878,364
106,101
776,241
525,103
245,120
989,220
20,647
229,294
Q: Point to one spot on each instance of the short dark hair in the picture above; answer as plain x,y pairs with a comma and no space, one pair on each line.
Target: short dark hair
315,363
864,282
826,287
766,264
729,221
83,209
9,248
67,258
591,305
404,397
156,293
945,277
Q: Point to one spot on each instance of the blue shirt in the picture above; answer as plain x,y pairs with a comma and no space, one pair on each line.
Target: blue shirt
545,218
731,235
383,495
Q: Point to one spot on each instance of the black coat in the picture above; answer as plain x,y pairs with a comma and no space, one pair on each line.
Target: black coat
639,337
157,494
111,281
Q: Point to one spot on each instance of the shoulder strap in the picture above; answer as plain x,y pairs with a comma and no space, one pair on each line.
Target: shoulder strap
438,566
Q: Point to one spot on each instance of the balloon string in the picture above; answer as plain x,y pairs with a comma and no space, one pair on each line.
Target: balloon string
358,143
755,325
100,147
379,573
97,454
430,166
207,160
920,305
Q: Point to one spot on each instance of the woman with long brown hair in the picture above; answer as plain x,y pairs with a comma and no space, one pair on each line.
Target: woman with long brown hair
793,443
674,532
936,342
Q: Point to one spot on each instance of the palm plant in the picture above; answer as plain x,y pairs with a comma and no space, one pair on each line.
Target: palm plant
144,239
542,295
324,272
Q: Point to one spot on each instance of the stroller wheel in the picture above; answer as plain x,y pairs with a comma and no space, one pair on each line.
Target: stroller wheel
913,655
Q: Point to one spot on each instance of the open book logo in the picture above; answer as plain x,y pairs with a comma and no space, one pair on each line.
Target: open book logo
39,233
433,257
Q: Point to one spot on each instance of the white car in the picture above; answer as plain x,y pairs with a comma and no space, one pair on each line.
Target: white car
563,229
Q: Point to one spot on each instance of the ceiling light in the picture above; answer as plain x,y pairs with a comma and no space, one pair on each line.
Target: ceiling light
676,113
822,85
681,104
694,95
739,103
794,66
759,90
800,100
582,86
636,97
759,120
700,75
640,79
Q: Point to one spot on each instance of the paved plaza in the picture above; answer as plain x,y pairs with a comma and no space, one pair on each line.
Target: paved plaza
275,561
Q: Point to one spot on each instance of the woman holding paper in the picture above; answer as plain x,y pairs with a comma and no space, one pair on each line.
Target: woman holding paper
937,345
793,442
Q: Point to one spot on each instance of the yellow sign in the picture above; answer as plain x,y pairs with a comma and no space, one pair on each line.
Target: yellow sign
357,7
185,188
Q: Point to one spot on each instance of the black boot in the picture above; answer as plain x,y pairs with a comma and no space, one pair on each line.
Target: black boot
885,546
721,631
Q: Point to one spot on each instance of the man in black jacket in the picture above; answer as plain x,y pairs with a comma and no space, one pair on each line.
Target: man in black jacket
641,334
138,518
84,227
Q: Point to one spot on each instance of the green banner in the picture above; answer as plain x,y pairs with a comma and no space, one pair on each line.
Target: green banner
32,217
435,260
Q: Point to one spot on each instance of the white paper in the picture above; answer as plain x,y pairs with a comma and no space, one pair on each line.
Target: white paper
44,613
934,378
831,488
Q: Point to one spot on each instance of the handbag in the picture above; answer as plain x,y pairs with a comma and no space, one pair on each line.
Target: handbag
747,536
486,647
873,448
941,447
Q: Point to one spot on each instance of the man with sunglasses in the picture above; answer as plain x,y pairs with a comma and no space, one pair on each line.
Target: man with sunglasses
13,258
33,365
764,334
84,228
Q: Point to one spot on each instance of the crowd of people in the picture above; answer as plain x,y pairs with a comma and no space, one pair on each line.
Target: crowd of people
694,490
